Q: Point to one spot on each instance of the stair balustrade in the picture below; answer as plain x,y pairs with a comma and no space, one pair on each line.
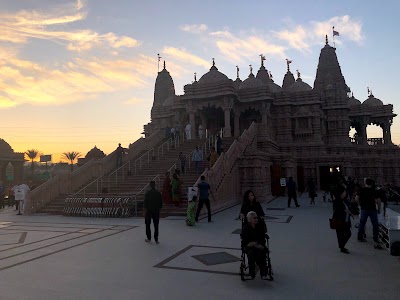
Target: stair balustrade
171,141
68,183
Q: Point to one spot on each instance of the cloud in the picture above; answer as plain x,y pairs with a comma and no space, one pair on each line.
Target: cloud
305,36
133,101
245,46
184,56
194,28
24,25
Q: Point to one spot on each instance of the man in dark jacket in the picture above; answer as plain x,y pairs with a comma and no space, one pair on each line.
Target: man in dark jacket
152,207
368,199
292,192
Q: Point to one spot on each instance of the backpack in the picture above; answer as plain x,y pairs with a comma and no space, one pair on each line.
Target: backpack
395,249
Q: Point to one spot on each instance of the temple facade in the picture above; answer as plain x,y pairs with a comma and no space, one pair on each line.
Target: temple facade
7,157
302,131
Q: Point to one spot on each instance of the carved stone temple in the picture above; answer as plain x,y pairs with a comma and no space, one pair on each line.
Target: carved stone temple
302,131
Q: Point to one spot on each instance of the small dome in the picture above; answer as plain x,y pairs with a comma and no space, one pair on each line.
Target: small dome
353,101
299,86
372,101
169,101
213,76
251,83
95,153
5,148
263,75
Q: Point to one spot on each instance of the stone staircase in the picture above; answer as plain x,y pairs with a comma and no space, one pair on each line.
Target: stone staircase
129,185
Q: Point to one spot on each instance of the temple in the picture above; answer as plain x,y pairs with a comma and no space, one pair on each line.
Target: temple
302,131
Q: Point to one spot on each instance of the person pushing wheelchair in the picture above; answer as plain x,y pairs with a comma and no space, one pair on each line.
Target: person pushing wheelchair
254,245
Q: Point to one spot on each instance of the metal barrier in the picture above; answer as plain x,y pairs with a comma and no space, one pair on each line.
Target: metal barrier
109,207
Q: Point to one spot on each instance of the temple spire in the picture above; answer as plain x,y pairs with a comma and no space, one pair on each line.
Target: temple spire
288,62
158,62
262,60
237,72
164,65
326,39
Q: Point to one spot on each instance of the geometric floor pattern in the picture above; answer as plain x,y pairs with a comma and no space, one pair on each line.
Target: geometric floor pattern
208,259
22,242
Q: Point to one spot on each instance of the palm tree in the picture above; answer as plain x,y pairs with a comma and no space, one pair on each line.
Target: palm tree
71,156
31,155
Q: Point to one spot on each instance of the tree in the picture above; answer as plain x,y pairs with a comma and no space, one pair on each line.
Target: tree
71,157
31,155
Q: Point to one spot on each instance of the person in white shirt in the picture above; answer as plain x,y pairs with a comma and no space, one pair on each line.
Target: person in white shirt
188,130
198,159
201,133
21,192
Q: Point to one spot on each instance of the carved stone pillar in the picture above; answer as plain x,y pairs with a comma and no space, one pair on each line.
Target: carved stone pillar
387,136
227,129
363,133
3,167
237,124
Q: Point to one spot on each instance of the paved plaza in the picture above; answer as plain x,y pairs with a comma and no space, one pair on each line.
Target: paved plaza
55,257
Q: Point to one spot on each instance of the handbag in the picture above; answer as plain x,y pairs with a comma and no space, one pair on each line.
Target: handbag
335,223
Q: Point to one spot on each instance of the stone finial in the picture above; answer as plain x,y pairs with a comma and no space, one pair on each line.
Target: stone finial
213,62
298,74
251,69
270,75
326,39
195,76
164,65
237,72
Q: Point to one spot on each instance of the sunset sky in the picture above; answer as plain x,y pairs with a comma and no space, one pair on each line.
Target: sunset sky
75,74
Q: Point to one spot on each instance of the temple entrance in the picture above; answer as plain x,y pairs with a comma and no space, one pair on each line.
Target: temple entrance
215,119
247,117
327,176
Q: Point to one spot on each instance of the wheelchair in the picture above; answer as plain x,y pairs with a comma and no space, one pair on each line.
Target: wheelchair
244,267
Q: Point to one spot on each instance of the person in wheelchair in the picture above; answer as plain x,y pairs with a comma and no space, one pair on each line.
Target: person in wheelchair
254,245
250,203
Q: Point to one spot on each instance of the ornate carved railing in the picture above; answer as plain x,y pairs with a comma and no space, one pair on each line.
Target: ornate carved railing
68,183
227,160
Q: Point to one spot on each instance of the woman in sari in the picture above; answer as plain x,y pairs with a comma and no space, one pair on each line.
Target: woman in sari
175,189
167,189
191,212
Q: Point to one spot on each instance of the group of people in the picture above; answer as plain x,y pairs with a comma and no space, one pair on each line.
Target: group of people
350,199
154,199
17,194
174,131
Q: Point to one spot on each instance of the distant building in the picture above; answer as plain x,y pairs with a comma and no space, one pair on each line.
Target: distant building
94,153
303,131
10,161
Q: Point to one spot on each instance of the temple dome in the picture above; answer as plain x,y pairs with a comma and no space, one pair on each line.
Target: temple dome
95,153
353,101
263,75
5,148
372,101
299,86
288,81
273,87
251,83
237,83
213,76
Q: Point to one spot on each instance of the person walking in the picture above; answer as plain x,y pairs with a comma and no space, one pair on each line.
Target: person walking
119,152
312,190
188,131
21,192
292,192
212,157
368,199
167,188
175,189
342,214
182,162
152,207
191,212
201,131
198,159
204,191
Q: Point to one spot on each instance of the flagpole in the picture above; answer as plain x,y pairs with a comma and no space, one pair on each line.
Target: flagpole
333,37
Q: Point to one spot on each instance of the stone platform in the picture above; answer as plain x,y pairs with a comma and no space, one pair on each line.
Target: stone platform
55,257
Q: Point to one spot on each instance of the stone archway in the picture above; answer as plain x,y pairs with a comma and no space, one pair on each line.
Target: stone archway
247,116
212,119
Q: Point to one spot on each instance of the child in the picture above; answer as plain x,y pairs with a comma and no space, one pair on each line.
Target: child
191,212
